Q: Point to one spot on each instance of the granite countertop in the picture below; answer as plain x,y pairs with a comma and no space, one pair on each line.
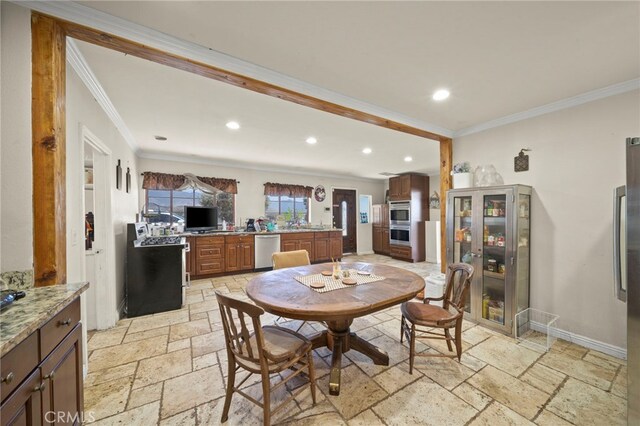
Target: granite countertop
26,315
279,231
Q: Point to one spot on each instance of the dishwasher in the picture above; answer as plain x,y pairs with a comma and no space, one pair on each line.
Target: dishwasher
266,245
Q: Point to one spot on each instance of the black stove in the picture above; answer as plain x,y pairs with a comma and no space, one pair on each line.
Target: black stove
161,241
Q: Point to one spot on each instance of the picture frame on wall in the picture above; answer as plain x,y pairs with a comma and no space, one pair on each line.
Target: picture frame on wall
118,176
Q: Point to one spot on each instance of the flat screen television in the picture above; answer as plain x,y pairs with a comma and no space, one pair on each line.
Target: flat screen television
200,218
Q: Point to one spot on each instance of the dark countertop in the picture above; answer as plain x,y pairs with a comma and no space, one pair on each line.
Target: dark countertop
26,315
279,231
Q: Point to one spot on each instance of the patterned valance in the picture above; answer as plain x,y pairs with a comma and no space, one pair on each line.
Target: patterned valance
153,180
287,190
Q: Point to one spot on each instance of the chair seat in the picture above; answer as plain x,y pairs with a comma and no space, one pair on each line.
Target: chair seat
280,345
424,314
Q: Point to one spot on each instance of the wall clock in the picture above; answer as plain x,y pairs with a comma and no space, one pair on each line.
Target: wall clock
319,193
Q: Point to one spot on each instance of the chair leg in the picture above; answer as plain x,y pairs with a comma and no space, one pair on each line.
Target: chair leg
412,348
266,400
459,340
402,329
312,375
448,336
231,379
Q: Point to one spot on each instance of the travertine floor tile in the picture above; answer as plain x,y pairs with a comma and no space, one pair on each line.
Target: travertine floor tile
475,335
207,343
504,354
162,367
145,415
397,377
543,378
547,418
353,381
582,404
178,344
366,418
472,362
444,371
158,320
472,396
145,395
592,374
619,387
186,418
191,390
408,406
207,305
118,372
106,338
499,415
323,419
205,361
132,337
189,329
108,398
521,397
598,358
124,354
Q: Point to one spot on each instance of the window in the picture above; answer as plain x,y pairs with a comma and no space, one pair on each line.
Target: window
167,206
294,210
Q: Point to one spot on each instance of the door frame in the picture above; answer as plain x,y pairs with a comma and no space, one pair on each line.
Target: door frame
356,205
107,310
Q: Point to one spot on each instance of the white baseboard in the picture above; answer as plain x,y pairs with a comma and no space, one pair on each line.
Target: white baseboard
582,340
362,253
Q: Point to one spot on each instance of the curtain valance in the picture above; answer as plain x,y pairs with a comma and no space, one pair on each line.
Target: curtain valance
287,190
153,180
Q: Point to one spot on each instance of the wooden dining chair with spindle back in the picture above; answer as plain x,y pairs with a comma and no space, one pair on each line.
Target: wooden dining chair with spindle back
290,259
416,314
263,350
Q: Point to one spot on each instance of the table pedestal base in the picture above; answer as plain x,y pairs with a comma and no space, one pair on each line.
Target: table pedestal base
339,339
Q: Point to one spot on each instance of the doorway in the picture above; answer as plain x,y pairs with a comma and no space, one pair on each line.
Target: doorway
344,217
99,237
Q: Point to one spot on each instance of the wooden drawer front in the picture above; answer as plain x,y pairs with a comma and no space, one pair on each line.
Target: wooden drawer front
289,236
18,363
239,239
306,236
321,235
335,234
210,251
209,240
400,251
210,266
58,327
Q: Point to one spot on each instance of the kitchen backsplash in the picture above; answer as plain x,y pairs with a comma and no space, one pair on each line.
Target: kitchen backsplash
17,280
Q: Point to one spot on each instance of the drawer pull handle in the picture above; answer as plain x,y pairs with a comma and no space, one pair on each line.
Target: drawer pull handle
40,387
9,378
51,375
65,322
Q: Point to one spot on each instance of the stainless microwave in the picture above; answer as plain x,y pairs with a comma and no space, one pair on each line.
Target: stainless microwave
400,214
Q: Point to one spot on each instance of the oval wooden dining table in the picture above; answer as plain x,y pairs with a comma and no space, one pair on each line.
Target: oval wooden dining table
279,293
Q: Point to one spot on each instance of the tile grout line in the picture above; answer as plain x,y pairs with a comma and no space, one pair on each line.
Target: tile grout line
544,406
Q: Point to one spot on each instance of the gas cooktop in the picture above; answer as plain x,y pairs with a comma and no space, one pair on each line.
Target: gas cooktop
160,241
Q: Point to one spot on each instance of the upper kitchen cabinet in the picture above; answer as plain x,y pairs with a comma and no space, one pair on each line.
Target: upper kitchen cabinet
400,186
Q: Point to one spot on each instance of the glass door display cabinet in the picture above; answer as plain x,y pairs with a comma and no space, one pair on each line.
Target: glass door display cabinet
489,228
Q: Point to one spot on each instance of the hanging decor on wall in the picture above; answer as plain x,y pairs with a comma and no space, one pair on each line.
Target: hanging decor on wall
319,193
128,180
434,201
521,162
118,176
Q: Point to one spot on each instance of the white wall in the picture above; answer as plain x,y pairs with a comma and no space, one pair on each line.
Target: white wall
82,109
250,197
576,162
15,168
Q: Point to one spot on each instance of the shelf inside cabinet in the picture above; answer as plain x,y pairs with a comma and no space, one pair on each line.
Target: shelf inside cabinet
495,275
499,249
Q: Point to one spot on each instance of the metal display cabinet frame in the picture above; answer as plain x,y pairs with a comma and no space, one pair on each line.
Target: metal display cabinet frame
489,228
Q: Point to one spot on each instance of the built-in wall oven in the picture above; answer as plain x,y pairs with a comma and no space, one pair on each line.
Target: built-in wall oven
400,213
400,235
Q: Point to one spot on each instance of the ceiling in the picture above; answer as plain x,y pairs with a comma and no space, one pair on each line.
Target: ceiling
496,58
191,112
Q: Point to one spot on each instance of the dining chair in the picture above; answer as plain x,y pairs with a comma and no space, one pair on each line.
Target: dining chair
264,350
448,316
290,259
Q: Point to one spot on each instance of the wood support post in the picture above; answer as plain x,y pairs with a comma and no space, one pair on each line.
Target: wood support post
446,158
48,149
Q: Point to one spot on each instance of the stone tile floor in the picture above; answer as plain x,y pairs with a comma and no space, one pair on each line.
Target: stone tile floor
170,369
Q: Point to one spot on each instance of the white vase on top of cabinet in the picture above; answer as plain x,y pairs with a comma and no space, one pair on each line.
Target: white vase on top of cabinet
489,228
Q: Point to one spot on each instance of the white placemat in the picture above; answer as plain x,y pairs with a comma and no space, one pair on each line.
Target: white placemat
331,283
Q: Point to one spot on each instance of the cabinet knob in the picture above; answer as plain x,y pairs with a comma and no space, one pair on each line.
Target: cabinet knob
65,322
51,375
8,378
41,387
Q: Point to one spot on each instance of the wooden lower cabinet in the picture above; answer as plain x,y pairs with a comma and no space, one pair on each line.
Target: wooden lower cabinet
298,241
53,390
322,249
209,255
401,252
239,253
336,244
381,240
386,244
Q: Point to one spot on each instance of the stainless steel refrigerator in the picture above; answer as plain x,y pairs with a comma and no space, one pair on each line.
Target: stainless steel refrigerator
627,270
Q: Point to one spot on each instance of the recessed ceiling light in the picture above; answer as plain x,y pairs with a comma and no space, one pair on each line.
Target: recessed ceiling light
160,138
367,150
441,95
311,140
233,125
408,159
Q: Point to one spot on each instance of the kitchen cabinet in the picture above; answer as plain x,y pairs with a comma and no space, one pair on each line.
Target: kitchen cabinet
209,255
191,256
335,241
380,228
321,247
239,253
298,241
411,189
400,187
43,373
489,228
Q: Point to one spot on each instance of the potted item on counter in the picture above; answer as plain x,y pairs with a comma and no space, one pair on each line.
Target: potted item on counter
462,176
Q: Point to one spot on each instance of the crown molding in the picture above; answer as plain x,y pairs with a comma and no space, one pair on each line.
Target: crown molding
81,67
102,21
593,95
246,166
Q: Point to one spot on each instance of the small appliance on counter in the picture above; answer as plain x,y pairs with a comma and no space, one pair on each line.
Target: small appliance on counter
251,225
7,297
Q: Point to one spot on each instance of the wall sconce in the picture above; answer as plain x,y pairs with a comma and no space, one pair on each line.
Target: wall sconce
521,161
